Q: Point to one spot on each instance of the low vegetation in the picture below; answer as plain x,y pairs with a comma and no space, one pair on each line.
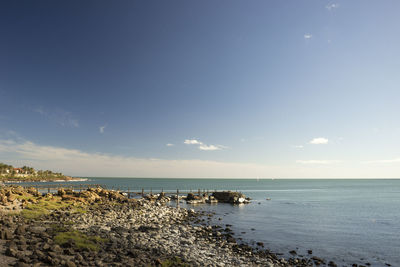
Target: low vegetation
174,262
44,206
79,240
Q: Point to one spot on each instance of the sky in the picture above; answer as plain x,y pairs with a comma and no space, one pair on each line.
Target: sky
201,89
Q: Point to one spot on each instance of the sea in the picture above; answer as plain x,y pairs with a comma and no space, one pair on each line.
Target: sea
348,221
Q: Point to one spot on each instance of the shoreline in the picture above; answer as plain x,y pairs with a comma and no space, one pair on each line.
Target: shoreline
46,181
119,231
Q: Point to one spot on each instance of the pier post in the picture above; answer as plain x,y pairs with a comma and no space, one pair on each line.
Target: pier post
199,192
177,198
142,192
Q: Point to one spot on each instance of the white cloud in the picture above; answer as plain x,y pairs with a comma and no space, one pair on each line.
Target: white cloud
323,162
192,142
319,141
203,146
209,148
59,116
169,144
307,36
332,6
299,146
101,128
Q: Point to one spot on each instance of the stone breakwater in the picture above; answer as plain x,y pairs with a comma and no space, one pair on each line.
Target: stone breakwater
99,227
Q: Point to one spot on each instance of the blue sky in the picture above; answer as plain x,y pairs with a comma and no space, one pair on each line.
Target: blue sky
283,89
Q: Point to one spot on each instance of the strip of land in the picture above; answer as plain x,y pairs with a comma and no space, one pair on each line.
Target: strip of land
11,174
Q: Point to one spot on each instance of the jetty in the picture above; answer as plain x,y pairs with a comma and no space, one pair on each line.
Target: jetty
199,196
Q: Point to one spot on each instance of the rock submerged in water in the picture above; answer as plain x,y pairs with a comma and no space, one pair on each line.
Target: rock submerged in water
200,199
215,197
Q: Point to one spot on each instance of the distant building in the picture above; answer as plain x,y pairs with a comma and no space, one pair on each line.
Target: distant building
18,170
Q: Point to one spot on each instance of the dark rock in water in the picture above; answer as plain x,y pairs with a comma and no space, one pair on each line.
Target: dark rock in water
332,264
260,244
293,252
230,197
190,196
309,251
318,260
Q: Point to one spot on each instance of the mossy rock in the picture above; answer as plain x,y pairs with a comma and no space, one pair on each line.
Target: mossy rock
78,239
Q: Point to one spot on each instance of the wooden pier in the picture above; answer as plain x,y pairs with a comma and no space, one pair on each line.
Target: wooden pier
51,188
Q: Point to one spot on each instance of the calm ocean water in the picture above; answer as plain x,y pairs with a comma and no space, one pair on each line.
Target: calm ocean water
348,221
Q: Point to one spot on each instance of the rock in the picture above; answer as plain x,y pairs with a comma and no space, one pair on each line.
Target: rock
309,251
21,264
260,244
6,234
293,252
318,260
229,197
37,229
70,264
332,264
61,192
11,251
20,230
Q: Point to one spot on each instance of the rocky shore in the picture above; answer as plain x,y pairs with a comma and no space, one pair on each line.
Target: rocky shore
98,227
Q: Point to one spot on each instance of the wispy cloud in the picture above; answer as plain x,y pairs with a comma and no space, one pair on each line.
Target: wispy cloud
319,141
169,144
19,152
384,161
332,6
203,146
299,146
101,128
80,163
209,148
318,162
307,36
59,116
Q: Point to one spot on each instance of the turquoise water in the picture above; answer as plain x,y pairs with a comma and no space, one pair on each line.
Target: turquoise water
348,221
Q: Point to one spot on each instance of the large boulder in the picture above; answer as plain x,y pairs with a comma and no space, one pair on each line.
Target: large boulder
230,197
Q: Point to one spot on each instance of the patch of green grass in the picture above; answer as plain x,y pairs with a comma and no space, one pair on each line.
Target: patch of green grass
45,205
175,261
79,209
80,240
